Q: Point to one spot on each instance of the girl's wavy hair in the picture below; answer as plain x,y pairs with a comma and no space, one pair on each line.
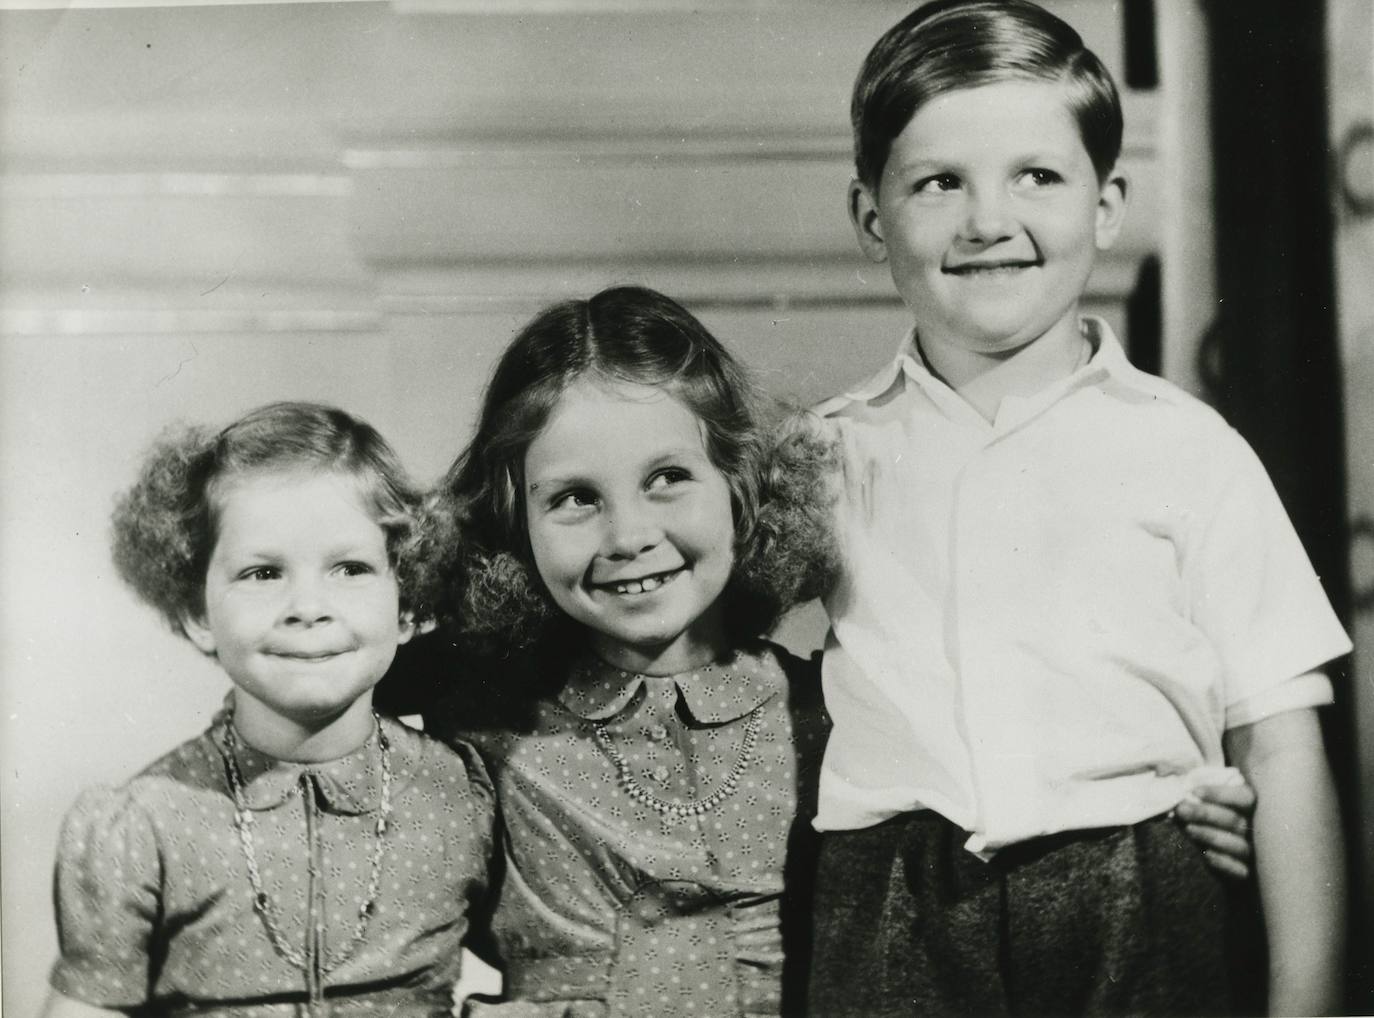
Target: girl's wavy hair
954,44
483,574
164,527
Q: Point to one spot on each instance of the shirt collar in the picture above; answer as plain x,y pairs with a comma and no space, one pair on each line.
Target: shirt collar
714,694
1107,362
349,785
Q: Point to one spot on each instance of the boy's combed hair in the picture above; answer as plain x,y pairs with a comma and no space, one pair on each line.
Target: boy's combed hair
482,572
954,44
164,526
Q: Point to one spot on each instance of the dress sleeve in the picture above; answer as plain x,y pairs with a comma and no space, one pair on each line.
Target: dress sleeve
480,784
481,1007
1255,594
107,891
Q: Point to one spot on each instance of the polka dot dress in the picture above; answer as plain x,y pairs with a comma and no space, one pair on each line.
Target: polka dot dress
608,898
155,905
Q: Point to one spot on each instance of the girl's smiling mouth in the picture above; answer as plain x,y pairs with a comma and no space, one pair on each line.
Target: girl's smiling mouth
641,585
309,657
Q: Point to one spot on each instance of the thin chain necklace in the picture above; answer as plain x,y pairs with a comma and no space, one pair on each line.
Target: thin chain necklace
666,807
266,909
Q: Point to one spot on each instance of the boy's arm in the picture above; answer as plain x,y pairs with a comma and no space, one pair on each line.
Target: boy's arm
1300,859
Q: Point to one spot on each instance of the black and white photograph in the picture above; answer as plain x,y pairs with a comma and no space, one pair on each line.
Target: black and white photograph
686,508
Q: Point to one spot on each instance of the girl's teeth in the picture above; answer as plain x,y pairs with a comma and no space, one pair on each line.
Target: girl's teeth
640,586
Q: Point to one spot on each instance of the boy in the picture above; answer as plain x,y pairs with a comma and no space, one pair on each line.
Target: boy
1067,585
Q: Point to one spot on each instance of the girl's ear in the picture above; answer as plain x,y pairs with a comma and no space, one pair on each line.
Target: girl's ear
868,227
408,628
198,633
1111,208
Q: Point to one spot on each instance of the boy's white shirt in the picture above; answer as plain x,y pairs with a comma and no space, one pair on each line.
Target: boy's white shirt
1048,621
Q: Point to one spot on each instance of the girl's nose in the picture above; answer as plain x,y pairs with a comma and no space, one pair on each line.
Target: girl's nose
307,604
630,530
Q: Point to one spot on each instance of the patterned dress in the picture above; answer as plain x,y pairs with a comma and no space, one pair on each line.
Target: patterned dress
156,907
649,822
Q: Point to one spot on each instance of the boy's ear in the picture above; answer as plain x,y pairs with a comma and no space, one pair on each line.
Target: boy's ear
198,633
868,228
1111,208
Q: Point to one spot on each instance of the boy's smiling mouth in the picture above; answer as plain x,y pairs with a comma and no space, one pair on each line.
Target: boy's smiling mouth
640,585
1001,267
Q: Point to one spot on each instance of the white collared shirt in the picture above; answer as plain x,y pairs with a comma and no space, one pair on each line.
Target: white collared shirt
1046,622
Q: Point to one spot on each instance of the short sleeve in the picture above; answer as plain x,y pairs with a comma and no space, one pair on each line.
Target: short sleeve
479,781
474,837
107,890
1258,600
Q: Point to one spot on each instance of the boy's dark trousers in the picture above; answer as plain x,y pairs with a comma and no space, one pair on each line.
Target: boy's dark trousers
1124,920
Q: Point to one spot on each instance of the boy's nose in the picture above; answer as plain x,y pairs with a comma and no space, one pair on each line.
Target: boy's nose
987,216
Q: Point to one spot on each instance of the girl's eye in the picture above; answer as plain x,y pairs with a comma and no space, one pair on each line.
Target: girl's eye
357,568
261,573
673,475
940,183
574,500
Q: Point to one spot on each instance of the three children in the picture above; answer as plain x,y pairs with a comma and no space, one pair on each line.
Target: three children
1065,587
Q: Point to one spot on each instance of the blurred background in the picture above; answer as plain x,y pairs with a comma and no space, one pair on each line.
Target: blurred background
203,208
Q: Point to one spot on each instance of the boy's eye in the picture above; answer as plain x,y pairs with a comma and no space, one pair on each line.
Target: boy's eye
1041,177
672,475
261,573
940,183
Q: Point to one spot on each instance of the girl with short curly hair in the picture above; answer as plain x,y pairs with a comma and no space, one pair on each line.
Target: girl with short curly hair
626,515
288,856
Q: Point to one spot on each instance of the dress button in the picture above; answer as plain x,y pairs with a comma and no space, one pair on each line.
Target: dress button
658,732
661,773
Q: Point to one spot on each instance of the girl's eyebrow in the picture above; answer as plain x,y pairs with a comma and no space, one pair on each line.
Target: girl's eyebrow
557,481
272,553
573,479
677,453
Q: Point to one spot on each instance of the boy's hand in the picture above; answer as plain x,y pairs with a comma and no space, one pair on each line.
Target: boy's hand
1217,817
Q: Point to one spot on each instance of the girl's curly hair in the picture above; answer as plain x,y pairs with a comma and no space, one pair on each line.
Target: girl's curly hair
165,525
480,569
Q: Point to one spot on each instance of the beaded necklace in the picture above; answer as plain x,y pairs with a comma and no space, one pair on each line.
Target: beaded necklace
243,820
666,807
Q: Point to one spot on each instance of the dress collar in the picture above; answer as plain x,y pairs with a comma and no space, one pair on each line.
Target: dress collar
349,785
714,694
